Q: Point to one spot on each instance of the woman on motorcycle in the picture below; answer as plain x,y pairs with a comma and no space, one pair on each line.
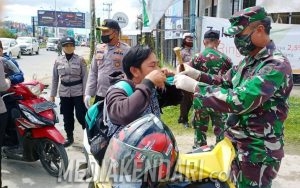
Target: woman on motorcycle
151,92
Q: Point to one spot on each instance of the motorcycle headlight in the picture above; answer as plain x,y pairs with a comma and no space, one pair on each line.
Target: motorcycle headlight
33,119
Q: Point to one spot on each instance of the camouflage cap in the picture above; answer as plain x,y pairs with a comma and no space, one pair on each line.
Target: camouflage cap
240,20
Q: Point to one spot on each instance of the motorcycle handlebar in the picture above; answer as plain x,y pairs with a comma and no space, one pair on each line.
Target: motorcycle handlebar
7,94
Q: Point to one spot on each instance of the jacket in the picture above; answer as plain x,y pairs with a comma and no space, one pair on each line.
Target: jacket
3,86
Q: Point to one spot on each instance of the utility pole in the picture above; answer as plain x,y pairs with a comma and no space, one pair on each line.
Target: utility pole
55,20
92,33
33,26
107,9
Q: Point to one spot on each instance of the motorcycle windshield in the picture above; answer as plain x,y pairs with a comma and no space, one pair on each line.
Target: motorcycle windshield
128,162
141,150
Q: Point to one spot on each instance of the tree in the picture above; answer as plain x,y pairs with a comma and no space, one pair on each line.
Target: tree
5,33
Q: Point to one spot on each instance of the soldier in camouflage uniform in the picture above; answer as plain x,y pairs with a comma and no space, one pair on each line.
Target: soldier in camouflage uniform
187,97
107,59
255,92
213,62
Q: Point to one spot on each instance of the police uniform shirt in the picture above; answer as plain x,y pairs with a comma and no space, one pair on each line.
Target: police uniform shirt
107,59
69,71
186,54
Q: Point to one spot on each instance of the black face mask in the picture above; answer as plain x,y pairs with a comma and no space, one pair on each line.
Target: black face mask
189,44
105,38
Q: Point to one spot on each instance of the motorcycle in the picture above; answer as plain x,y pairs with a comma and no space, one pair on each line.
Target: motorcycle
32,119
204,167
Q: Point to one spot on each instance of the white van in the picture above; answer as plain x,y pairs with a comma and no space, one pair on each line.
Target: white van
28,45
52,43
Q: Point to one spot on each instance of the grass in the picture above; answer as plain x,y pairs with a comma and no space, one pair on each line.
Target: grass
292,124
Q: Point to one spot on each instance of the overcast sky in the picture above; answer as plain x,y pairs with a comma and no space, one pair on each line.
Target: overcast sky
22,10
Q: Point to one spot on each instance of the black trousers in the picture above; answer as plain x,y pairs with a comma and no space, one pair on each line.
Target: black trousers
185,106
3,124
67,105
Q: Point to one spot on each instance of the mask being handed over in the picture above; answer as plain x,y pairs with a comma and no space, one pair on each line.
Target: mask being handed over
244,44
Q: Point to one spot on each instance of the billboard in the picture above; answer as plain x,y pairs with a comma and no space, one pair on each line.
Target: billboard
61,19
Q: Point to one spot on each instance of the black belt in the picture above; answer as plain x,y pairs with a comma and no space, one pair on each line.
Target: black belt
68,84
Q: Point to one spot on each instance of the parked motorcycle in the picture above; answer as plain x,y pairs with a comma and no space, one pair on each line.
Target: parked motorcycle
33,119
147,146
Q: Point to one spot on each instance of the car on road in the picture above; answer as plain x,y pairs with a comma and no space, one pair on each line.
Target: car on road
52,44
11,47
28,45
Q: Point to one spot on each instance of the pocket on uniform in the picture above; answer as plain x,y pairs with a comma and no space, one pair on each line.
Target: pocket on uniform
76,70
61,70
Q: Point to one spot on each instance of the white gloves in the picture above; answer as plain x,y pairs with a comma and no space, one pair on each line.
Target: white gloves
87,99
189,71
185,83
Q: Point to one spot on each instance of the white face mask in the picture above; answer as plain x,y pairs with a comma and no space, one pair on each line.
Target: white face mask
69,49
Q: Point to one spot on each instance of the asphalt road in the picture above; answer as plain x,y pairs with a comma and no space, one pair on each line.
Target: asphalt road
18,174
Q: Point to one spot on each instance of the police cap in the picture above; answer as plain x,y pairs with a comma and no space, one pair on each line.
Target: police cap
67,40
109,24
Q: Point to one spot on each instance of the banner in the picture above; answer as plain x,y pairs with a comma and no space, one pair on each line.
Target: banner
154,9
174,21
285,36
280,5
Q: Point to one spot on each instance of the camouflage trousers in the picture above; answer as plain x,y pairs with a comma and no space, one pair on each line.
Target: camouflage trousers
255,175
200,123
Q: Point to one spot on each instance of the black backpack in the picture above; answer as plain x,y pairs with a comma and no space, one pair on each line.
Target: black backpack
96,124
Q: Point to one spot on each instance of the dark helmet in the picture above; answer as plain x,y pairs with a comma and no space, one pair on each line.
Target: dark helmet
144,147
67,40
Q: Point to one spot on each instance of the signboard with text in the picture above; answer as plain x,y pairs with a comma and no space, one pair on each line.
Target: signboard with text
61,19
285,36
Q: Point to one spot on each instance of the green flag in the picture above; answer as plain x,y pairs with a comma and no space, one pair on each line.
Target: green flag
145,15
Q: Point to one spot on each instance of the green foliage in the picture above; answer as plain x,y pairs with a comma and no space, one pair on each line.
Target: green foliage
5,33
170,117
292,124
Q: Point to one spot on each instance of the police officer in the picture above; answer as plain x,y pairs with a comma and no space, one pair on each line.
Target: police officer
71,70
107,59
255,93
213,62
187,97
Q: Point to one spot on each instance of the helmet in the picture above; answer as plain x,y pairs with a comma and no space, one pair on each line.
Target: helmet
67,40
187,35
145,146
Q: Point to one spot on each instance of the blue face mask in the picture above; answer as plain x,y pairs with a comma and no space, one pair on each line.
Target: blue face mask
244,44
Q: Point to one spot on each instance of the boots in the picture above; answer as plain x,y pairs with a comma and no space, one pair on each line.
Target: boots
69,141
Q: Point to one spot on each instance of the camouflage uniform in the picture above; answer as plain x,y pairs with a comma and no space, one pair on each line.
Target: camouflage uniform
256,93
212,62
